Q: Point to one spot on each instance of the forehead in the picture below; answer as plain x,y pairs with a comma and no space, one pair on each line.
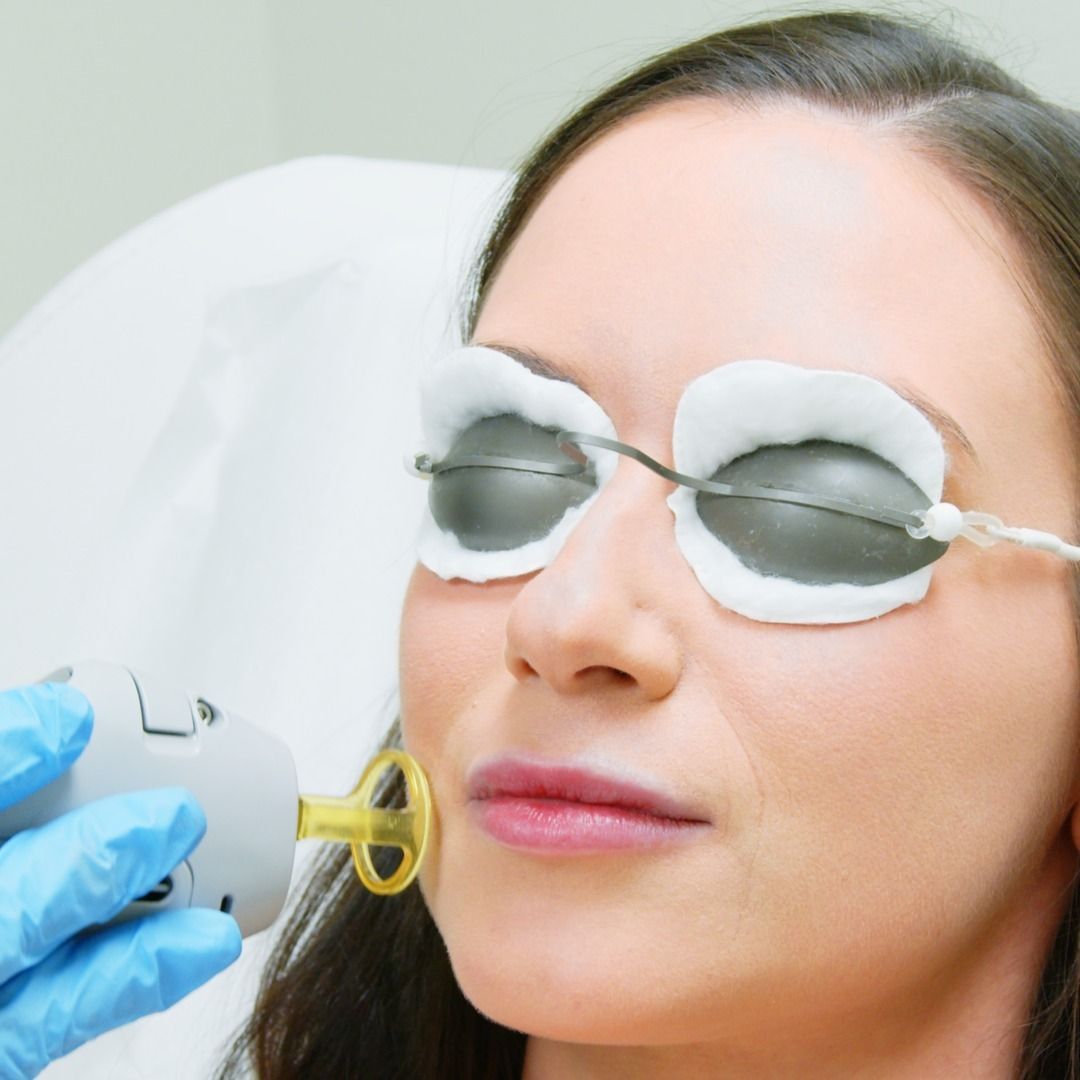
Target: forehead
695,234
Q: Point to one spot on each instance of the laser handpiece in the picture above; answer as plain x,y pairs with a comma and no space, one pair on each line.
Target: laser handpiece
150,734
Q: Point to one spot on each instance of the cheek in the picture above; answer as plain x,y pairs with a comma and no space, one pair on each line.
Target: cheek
452,638
922,761
451,647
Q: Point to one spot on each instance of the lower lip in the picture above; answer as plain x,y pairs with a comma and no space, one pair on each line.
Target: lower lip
576,828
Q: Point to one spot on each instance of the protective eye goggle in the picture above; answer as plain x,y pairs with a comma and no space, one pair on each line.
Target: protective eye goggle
805,495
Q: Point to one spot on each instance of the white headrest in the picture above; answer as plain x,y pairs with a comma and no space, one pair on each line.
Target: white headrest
202,431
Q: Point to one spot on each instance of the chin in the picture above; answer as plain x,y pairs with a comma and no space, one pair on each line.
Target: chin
565,992
543,1007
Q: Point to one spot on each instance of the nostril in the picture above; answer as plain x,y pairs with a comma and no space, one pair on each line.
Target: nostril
598,669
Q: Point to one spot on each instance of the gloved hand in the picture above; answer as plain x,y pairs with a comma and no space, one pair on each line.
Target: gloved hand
83,868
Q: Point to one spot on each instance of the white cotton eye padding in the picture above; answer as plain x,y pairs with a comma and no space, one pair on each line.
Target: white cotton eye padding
474,382
746,404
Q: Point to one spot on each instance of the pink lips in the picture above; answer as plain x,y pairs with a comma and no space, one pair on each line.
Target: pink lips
568,809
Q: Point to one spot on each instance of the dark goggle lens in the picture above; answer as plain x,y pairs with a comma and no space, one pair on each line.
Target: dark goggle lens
499,509
812,545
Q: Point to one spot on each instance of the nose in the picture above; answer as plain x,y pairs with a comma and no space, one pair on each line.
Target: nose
602,612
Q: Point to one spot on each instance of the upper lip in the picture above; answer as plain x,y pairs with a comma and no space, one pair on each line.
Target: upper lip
517,775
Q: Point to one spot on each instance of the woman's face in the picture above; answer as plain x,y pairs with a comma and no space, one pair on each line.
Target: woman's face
887,801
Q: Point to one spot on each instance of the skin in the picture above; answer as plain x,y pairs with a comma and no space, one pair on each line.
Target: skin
892,801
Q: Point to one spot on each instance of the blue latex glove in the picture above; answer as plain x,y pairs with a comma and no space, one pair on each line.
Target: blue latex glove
81,869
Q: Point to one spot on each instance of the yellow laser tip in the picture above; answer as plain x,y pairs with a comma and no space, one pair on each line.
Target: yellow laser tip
354,820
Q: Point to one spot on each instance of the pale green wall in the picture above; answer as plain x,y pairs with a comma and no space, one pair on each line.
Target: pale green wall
113,109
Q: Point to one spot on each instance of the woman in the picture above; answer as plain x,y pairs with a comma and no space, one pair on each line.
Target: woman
879,877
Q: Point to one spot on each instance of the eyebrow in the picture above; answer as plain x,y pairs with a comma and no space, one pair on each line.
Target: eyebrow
945,424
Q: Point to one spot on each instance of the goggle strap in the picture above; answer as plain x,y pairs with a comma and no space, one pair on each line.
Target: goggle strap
422,466
943,521
1035,538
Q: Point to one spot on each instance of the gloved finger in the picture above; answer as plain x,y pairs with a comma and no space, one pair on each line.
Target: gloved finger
109,978
43,729
85,866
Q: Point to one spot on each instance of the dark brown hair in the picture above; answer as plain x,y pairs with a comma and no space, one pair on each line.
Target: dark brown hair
360,985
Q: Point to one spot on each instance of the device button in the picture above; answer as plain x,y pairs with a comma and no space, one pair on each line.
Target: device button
165,710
